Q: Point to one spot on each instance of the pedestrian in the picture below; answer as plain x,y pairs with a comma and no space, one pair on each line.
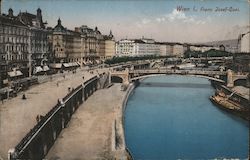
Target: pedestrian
57,84
64,76
24,97
37,118
69,89
2,99
83,77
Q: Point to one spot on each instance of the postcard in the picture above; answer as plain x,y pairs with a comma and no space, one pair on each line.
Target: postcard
124,79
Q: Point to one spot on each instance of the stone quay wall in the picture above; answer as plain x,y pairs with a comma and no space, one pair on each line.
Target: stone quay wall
36,143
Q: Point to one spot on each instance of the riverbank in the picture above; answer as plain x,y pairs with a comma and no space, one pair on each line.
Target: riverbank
88,135
118,146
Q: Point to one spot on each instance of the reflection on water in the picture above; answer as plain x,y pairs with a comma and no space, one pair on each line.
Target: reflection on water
176,85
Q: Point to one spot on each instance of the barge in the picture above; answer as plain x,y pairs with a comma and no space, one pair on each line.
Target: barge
222,101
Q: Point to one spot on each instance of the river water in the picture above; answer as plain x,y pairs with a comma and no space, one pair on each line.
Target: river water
171,117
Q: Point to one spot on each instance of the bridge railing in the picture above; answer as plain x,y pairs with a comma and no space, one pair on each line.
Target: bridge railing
172,71
37,142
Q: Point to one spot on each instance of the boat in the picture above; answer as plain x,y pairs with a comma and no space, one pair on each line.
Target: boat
225,103
222,100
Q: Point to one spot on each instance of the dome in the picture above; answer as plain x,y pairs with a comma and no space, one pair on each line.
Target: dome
59,26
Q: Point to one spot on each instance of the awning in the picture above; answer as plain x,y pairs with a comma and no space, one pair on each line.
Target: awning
66,65
4,90
15,73
97,61
45,68
75,64
56,65
71,64
38,69
78,63
90,62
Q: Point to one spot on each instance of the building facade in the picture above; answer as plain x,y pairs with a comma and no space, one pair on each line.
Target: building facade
245,43
109,46
137,47
66,45
83,45
178,50
14,47
38,39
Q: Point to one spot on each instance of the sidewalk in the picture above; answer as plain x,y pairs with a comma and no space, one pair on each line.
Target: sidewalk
88,134
18,116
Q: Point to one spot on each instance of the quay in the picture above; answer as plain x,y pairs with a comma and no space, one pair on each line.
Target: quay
88,135
18,116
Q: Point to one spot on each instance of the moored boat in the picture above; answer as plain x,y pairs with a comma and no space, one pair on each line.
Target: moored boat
223,102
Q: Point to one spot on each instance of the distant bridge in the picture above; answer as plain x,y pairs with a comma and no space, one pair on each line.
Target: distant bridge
127,75
152,75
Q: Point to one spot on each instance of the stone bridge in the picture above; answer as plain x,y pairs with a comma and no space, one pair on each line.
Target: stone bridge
232,77
127,75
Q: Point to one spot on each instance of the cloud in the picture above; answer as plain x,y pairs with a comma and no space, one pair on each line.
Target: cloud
179,16
176,15
146,21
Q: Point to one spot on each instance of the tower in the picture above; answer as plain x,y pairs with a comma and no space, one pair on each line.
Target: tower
10,13
59,22
39,13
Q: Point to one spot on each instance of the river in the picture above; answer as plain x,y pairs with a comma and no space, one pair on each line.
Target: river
171,117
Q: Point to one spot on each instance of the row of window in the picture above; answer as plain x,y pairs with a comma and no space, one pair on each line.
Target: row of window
13,57
14,39
13,48
39,49
13,30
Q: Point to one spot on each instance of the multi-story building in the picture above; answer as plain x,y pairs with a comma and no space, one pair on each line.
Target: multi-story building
166,48
95,46
82,45
245,43
109,46
38,39
178,50
92,42
14,47
137,47
66,44
58,37
125,47
202,48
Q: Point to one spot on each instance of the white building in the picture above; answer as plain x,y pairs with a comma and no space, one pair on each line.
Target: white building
245,43
178,50
137,47
166,49
202,48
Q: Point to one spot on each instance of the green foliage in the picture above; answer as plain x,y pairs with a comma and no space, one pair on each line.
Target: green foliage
115,60
209,53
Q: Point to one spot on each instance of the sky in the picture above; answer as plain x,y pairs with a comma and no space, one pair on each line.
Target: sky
204,21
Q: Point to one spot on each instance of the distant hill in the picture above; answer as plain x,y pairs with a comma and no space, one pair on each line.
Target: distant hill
230,45
226,43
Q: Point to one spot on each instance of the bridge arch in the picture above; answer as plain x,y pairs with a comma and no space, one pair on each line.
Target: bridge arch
240,82
116,79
